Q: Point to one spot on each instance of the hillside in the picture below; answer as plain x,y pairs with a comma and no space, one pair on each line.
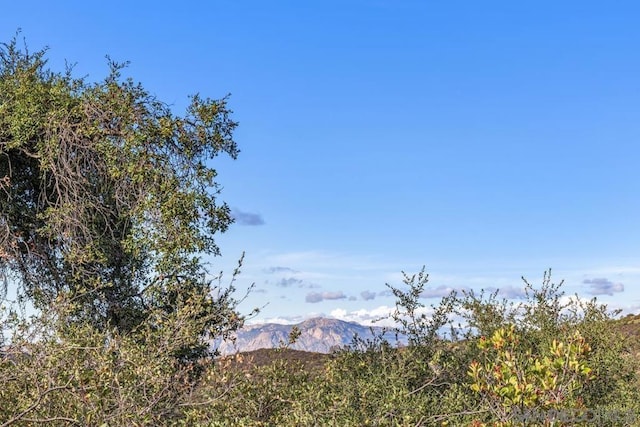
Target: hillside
629,326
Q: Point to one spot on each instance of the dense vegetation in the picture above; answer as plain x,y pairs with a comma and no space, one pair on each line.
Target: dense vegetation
107,206
548,360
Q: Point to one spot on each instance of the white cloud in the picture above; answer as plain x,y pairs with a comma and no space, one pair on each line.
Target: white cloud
284,320
365,317
379,316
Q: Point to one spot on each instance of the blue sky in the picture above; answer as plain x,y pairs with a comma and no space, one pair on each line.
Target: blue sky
485,140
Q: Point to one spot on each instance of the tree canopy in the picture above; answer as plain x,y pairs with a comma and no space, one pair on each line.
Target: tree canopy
107,198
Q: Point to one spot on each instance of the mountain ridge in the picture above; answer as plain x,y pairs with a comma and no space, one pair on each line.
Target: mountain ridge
318,334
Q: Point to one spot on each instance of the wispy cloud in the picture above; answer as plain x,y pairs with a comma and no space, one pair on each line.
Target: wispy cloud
247,218
277,269
289,281
314,297
387,293
437,292
335,264
367,295
509,292
603,286
285,320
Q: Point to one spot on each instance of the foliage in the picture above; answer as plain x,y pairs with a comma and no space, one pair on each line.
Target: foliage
108,203
106,196
69,373
421,328
73,378
512,380
261,396
543,361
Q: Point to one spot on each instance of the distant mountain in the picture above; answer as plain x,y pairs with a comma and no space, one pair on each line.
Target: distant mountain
319,335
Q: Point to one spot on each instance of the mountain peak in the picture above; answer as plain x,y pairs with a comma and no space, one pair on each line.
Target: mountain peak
318,334
323,322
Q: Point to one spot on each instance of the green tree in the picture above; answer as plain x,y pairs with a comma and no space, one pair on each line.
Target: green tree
107,199
108,204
